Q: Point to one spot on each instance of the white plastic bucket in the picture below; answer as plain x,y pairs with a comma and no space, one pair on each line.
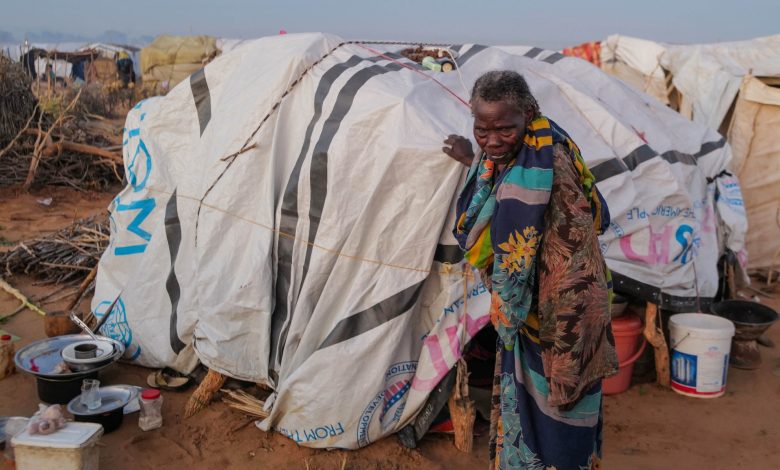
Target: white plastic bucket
700,353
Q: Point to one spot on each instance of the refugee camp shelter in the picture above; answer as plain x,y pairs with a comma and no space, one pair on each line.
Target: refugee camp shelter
170,59
752,133
94,62
288,213
638,63
729,87
733,87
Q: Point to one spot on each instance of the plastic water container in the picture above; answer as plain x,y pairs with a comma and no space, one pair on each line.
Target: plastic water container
700,345
627,331
73,447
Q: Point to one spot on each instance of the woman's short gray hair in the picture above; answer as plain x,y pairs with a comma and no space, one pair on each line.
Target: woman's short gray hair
507,86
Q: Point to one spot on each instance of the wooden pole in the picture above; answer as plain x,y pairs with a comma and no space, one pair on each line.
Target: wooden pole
655,336
462,410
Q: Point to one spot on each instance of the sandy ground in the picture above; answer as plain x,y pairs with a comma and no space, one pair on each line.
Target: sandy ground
646,428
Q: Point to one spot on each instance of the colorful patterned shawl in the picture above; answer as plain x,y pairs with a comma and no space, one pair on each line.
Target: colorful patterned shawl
501,222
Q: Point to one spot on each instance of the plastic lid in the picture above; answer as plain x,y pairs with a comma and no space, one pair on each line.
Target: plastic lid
150,394
5,338
72,436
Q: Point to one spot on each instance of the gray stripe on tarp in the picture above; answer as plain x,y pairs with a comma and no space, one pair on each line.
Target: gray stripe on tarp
535,51
361,322
473,50
173,235
553,58
710,147
643,153
318,176
288,223
406,61
608,169
202,97
451,254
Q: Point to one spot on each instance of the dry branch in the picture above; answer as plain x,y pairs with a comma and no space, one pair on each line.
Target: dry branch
245,402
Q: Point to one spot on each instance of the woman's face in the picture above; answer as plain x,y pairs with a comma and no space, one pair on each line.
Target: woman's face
498,128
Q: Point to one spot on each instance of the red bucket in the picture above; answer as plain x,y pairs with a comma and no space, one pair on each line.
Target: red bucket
626,330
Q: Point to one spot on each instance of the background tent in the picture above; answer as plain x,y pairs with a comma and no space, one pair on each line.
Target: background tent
753,136
170,59
288,213
638,63
66,54
709,75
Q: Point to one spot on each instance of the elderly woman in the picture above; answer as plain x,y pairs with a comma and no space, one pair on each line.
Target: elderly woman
528,220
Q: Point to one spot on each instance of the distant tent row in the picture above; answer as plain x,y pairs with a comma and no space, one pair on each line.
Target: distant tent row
732,87
94,62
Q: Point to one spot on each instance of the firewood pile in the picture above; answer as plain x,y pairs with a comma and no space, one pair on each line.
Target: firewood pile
65,257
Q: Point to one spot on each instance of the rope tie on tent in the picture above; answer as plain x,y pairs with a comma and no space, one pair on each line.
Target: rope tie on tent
233,156
445,271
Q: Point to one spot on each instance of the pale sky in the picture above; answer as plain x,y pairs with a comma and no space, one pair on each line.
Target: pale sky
551,24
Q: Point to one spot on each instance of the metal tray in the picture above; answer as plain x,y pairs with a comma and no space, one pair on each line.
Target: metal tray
47,353
111,398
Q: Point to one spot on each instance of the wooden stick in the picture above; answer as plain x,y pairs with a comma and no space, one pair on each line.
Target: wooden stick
245,402
21,132
83,289
462,410
25,302
655,336
66,266
88,149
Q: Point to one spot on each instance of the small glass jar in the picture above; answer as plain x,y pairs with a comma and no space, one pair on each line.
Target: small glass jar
151,410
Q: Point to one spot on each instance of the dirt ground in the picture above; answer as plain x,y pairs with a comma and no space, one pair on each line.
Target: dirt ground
646,427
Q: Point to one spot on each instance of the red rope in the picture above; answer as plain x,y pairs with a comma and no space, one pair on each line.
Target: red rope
374,51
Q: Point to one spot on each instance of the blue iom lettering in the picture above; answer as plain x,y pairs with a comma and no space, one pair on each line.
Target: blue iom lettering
144,208
138,170
132,168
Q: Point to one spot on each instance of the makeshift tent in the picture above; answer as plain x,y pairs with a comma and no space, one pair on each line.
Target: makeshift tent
67,54
288,213
638,63
112,52
753,135
170,59
709,75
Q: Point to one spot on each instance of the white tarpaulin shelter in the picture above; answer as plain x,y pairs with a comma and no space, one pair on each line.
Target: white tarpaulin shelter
752,134
288,214
636,62
709,75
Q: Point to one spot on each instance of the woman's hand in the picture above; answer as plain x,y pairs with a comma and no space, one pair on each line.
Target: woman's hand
459,149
